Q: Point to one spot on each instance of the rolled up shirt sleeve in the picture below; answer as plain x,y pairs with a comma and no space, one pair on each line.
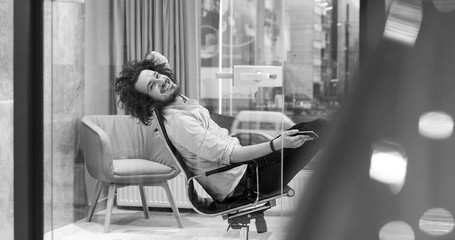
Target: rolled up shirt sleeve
202,137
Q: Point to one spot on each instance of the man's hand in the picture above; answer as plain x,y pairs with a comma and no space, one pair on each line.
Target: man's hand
250,152
290,141
158,58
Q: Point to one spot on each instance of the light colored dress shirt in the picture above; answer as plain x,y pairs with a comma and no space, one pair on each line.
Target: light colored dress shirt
204,145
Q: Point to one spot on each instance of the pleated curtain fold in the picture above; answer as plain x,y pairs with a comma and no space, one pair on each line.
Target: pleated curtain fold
166,26
117,31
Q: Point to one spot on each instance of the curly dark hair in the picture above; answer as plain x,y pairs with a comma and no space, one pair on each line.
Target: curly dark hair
139,105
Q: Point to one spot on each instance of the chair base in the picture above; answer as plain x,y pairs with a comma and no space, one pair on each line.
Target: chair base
242,219
244,231
243,224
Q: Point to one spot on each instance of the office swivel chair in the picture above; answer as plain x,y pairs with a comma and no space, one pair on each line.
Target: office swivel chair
238,212
119,151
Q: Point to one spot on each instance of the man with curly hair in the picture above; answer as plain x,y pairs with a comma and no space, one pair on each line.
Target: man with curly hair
133,93
146,85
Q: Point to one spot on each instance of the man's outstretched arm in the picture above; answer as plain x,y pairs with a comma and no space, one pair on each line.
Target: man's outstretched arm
246,153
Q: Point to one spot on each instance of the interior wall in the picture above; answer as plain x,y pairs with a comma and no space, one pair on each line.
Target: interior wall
64,105
6,120
98,72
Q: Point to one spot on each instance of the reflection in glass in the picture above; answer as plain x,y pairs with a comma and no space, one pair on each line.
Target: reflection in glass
396,230
388,164
266,122
436,125
444,5
436,222
250,138
297,36
403,22
305,38
64,104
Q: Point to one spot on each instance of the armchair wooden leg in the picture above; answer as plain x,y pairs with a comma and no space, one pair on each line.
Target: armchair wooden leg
110,204
95,197
173,206
144,202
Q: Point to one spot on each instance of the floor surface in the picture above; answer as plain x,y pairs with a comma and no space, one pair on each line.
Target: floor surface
130,224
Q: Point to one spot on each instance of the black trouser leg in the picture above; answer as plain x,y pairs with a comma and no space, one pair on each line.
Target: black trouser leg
294,159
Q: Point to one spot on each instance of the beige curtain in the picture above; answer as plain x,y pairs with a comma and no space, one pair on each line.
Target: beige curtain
117,31
167,26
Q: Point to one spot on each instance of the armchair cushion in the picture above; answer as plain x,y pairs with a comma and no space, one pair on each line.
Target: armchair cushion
129,167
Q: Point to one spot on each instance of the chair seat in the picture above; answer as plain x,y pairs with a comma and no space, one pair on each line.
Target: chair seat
210,207
132,167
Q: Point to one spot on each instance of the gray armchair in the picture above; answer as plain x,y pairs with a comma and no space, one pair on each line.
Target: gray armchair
119,151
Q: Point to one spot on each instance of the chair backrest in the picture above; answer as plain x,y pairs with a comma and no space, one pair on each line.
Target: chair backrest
176,154
109,137
200,204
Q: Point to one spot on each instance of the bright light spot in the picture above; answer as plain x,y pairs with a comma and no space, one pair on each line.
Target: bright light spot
444,5
396,230
436,125
355,3
403,22
436,222
388,165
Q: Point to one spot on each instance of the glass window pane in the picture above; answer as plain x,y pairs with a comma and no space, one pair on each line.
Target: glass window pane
315,43
300,46
65,197
267,125
6,120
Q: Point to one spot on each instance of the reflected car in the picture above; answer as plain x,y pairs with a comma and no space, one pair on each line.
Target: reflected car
267,122
251,137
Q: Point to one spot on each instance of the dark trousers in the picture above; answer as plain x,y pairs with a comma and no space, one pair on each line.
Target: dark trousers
294,160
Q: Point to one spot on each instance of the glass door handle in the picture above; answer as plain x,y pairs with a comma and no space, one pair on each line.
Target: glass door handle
257,76
224,75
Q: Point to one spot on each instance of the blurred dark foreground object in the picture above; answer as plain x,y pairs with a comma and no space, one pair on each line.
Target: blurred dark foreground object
403,104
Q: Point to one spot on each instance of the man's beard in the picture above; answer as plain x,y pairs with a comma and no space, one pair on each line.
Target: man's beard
170,98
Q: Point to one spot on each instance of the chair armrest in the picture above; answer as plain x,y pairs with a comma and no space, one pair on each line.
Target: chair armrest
221,169
225,168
